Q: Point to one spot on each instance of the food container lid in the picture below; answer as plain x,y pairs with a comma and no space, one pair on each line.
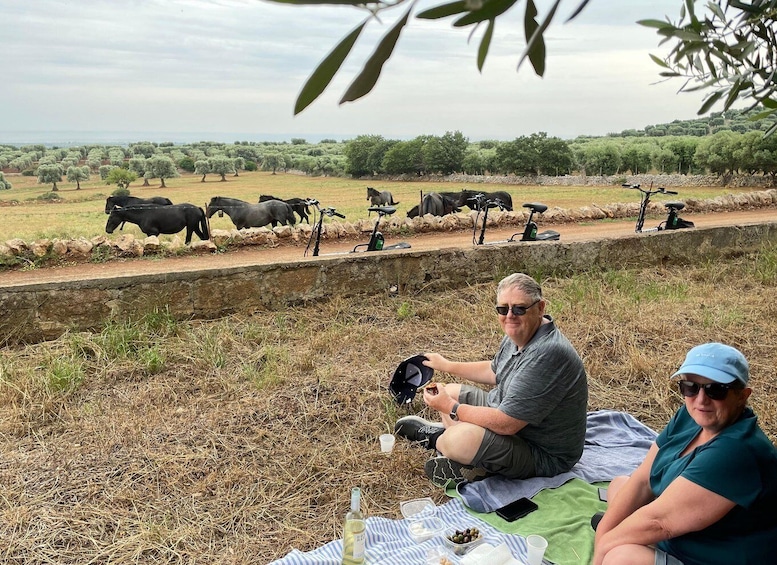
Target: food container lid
410,508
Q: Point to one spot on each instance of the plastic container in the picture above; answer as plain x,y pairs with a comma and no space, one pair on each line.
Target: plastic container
423,528
460,548
411,508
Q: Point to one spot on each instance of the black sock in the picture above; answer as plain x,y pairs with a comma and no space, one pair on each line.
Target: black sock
432,438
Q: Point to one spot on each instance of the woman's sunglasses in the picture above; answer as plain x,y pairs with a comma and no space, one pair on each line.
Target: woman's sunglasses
515,309
714,391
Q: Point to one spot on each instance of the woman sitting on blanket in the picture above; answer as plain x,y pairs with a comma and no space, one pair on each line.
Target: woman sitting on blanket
706,492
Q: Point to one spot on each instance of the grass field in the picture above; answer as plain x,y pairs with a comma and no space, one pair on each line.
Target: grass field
80,213
233,441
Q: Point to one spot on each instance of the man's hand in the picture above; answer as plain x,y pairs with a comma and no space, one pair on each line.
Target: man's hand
435,396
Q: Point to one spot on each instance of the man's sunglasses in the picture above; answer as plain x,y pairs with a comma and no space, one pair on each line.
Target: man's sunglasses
515,309
714,391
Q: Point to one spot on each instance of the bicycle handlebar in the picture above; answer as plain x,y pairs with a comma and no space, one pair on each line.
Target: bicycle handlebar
660,190
324,211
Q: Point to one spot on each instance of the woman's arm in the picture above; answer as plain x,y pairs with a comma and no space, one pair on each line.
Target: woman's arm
475,371
635,518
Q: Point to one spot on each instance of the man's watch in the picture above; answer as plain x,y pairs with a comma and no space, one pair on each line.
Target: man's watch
453,414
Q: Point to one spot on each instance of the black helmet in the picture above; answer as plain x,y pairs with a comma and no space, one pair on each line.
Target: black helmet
410,375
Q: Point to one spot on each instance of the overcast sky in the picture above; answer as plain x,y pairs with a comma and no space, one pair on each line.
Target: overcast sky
228,70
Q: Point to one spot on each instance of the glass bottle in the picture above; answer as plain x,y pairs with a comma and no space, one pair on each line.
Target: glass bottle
354,531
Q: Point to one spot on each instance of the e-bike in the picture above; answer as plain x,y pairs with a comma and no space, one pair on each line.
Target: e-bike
530,230
377,241
673,220
317,225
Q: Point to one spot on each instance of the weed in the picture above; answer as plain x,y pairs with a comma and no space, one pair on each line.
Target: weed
64,375
101,254
405,311
152,359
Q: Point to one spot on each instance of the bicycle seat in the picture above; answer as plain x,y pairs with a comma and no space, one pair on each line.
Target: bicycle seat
388,210
674,205
537,207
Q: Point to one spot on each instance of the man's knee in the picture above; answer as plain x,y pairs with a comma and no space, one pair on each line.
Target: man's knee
453,390
461,442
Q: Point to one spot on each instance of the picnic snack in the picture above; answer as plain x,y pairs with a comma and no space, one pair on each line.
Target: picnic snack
465,536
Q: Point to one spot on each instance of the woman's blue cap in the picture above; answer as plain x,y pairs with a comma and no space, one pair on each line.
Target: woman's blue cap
717,362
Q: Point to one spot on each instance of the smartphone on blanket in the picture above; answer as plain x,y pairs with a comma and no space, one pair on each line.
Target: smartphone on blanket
516,509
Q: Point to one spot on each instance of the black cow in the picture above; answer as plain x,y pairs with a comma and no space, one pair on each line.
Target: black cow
125,201
435,204
299,205
247,215
154,220
467,198
378,198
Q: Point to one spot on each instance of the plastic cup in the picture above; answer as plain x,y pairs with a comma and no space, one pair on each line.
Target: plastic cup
536,546
387,443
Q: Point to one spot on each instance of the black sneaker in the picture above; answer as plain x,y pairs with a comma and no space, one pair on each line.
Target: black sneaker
443,471
419,430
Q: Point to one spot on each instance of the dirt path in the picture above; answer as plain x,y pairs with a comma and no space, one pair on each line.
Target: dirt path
291,253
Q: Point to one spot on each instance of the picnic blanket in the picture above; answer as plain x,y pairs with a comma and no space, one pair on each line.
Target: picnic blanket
615,444
389,541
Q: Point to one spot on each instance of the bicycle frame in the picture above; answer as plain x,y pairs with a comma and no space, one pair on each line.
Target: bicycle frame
672,222
318,226
483,205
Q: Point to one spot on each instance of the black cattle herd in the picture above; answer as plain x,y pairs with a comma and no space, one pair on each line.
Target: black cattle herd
158,215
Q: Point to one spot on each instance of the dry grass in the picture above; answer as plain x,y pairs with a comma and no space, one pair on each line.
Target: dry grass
234,441
80,213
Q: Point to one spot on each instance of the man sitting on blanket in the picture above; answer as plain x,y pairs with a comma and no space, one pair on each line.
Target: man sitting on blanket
531,423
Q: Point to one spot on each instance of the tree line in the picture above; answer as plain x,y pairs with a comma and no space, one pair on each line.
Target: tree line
734,144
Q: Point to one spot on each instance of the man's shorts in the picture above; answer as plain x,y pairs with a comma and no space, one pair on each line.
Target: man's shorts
509,456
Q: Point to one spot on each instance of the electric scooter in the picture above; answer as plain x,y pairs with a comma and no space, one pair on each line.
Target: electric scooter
483,204
377,241
530,231
673,220
317,225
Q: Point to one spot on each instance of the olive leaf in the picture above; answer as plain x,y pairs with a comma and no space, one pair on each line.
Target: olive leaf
484,44
443,11
326,70
369,75
490,10
535,43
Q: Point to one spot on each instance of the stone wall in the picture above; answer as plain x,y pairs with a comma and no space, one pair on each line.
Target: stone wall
102,248
36,312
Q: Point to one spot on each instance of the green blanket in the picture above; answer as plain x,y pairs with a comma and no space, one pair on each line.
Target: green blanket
563,518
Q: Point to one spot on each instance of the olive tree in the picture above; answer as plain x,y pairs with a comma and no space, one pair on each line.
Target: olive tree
50,173
222,165
77,174
138,166
162,167
202,167
273,162
121,178
730,52
4,184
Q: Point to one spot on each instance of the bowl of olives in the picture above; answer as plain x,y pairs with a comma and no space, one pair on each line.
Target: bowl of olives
461,541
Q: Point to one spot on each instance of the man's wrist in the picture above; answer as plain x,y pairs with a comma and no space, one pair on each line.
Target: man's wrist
453,413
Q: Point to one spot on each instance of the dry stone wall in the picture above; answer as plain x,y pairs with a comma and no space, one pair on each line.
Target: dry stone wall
101,248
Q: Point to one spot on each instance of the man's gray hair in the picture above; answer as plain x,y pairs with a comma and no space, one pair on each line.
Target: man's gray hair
523,283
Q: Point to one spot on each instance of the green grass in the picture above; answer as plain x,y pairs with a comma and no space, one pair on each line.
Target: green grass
32,212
